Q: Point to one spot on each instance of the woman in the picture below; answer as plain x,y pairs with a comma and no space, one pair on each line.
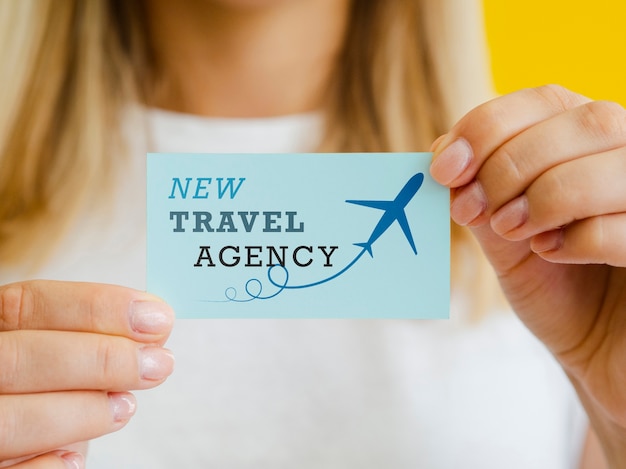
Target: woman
291,76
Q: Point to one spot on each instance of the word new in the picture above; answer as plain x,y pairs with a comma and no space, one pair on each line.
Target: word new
201,190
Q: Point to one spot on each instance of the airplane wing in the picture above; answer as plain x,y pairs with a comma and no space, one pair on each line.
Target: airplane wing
379,204
404,224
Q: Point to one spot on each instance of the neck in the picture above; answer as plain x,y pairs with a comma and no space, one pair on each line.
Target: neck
216,59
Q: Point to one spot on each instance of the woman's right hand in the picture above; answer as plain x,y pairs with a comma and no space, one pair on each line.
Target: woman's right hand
69,353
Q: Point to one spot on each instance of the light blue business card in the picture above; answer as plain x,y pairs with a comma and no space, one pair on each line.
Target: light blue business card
324,235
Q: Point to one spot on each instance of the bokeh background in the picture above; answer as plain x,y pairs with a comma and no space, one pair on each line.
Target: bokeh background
580,44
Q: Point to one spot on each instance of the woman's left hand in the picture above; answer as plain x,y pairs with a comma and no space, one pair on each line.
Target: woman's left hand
540,177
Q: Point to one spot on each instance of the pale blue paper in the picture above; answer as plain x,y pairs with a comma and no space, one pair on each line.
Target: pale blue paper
392,283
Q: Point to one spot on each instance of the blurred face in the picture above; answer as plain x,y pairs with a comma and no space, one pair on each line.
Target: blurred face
245,4
245,58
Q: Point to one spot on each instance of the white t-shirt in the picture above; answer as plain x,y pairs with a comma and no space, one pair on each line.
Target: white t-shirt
317,393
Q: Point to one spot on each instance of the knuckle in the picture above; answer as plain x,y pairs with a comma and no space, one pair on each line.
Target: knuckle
558,97
104,362
9,362
109,367
605,119
491,114
507,166
9,428
100,305
595,239
552,188
98,302
14,302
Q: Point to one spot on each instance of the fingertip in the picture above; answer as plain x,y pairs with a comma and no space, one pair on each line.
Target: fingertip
155,364
73,460
436,143
123,406
151,316
469,205
451,161
547,242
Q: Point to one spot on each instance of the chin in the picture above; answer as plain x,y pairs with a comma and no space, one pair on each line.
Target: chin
249,3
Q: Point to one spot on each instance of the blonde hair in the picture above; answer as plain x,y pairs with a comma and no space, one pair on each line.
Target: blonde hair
64,80
70,65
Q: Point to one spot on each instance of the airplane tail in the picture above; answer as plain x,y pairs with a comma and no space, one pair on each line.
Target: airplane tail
366,246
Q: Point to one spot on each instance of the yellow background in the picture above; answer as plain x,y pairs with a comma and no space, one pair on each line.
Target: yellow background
580,44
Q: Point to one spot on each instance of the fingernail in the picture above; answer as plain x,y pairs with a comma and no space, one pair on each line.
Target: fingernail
468,204
548,241
511,216
123,405
73,460
151,317
155,363
437,142
451,162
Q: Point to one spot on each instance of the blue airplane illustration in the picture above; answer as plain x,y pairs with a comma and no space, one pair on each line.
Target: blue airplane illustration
394,210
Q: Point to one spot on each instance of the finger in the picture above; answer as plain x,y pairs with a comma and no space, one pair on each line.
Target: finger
38,361
597,240
53,460
85,307
592,128
460,155
37,423
583,188
73,455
